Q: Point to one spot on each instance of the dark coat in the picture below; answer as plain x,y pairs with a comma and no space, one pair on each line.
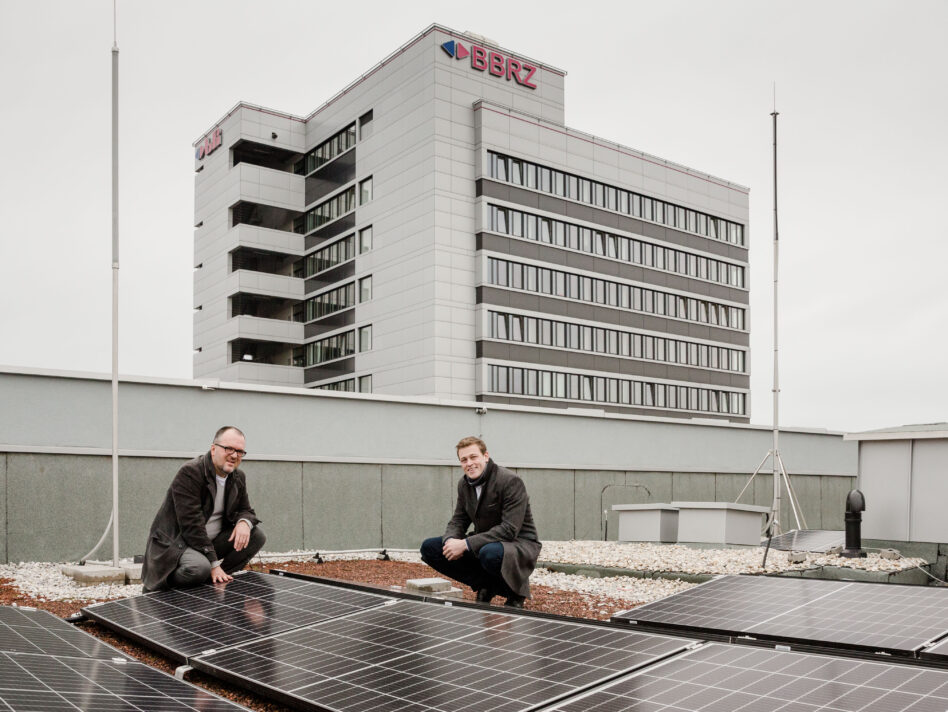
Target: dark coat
501,514
181,521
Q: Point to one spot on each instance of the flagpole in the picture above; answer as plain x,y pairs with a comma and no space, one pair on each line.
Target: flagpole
115,290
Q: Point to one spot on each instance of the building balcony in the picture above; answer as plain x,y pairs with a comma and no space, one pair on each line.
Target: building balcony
265,186
274,285
263,329
266,374
264,238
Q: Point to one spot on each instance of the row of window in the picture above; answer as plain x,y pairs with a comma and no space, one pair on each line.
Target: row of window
561,234
338,252
504,273
566,185
326,151
362,384
514,380
338,346
334,300
548,332
335,207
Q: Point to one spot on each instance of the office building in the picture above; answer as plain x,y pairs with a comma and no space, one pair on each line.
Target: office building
434,229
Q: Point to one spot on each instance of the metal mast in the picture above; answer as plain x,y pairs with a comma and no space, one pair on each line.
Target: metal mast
779,471
115,288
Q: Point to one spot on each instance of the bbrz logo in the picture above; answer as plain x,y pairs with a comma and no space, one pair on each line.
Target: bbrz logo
494,62
209,144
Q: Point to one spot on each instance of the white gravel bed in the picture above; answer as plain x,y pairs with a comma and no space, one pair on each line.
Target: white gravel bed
625,588
676,557
44,581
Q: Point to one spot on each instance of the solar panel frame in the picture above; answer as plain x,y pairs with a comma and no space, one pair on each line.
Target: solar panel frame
30,630
717,677
803,612
817,541
30,682
180,623
420,656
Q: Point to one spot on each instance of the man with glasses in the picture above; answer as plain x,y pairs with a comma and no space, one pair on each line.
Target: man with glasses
205,529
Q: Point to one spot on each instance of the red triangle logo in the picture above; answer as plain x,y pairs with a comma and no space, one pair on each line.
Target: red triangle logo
462,51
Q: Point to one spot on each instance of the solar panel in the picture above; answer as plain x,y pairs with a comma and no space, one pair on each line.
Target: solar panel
867,617
27,630
814,540
183,622
937,652
423,657
723,678
32,683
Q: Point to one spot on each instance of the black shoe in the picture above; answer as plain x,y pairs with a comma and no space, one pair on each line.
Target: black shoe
484,595
514,602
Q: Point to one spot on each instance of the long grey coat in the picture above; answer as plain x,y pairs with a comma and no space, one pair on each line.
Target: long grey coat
181,521
501,514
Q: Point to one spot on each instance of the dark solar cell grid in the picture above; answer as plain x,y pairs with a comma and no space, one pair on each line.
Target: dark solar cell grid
874,616
419,656
900,618
25,630
30,683
815,540
733,603
723,678
184,622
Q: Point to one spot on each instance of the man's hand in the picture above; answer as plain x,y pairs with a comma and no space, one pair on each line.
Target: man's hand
219,576
240,536
454,549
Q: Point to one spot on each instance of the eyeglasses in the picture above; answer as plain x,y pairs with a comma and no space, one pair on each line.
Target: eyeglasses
232,450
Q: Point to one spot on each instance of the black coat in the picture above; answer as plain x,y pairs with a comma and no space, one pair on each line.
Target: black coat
501,514
182,519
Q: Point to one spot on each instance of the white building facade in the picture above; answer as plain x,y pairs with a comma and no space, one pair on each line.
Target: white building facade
434,229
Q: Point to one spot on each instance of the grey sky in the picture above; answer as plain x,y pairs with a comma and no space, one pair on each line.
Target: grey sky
861,90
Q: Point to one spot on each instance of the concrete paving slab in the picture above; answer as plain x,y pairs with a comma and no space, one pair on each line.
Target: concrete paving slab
92,575
427,585
133,573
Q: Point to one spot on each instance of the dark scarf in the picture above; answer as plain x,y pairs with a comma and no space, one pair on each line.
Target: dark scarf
489,469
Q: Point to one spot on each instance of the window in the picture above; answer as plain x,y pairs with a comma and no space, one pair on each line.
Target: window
328,256
365,338
365,384
515,380
365,125
327,150
365,289
562,234
365,191
330,348
365,239
328,302
566,185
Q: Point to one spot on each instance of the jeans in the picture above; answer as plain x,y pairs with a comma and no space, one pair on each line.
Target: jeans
194,568
480,570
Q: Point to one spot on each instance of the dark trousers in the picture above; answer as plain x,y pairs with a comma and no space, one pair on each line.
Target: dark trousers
481,570
194,568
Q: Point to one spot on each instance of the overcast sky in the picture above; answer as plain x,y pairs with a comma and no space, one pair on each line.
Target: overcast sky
861,89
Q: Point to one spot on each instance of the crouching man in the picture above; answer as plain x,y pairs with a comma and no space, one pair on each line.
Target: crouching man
205,529
498,558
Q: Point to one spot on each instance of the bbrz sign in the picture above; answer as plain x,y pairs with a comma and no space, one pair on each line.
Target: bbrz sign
487,60
210,144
